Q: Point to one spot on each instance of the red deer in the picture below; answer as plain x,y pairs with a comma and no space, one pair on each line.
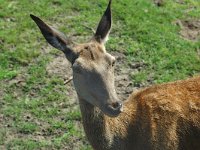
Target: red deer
160,117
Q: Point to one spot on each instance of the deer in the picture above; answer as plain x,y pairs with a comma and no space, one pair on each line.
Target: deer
159,117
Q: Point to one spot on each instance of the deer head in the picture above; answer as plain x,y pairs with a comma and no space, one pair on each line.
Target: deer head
93,67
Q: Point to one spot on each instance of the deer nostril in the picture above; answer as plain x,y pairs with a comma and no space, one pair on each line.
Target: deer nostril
116,105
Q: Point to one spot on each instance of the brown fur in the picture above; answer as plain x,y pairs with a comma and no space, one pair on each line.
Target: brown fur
165,117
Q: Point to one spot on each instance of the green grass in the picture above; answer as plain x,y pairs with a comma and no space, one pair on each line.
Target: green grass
31,111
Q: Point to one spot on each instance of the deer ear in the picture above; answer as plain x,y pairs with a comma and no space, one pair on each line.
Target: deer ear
104,26
55,38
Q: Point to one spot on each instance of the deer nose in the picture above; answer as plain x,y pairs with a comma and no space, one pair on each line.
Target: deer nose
117,105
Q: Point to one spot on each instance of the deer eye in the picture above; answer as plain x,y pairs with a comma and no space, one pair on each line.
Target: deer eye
113,62
76,68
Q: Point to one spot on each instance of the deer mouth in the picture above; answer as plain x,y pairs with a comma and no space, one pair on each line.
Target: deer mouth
114,109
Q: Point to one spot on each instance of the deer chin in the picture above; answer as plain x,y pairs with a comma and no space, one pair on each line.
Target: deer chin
110,111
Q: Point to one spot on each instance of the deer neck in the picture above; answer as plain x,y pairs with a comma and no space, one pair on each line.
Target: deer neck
102,131
94,123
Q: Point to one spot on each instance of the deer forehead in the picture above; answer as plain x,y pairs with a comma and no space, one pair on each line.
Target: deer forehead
94,53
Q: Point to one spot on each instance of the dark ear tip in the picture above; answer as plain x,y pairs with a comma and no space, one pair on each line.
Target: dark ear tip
37,20
110,2
109,5
34,17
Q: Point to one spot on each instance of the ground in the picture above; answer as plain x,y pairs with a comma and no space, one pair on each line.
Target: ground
154,41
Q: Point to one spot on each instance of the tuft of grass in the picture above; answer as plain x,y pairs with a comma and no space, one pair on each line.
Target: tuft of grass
139,78
26,127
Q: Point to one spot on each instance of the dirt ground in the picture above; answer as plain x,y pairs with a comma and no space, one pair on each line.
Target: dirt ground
190,29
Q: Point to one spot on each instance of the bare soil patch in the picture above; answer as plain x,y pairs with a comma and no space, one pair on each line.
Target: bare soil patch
159,3
190,29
